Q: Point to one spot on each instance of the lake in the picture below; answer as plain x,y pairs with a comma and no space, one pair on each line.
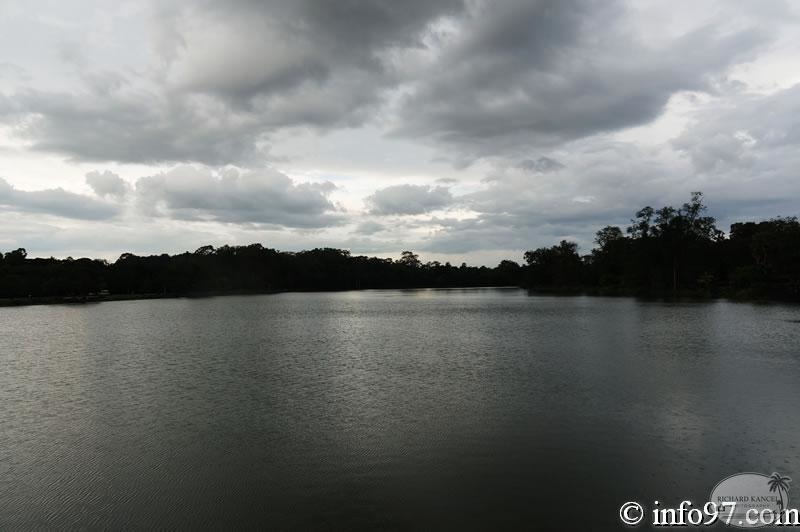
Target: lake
438,409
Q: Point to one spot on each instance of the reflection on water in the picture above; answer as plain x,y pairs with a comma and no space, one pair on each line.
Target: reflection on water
478,409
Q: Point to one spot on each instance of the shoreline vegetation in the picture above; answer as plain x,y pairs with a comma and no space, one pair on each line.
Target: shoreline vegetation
675,253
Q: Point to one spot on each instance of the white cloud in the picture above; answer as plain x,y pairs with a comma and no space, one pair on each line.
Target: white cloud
54,202
107,184
250,197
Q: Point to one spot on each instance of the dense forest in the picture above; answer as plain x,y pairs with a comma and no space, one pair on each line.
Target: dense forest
678,251
668,251
235,269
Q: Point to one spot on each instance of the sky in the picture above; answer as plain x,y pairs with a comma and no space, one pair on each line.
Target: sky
462,130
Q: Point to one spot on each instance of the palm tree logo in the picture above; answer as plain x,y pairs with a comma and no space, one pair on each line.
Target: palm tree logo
780,485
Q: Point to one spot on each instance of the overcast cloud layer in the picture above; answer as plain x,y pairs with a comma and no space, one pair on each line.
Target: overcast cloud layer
466,130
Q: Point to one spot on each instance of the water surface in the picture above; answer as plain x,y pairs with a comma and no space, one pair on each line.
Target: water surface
468,409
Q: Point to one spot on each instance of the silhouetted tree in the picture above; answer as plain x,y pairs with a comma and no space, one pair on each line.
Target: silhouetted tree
608,235
557,266
15,257
640,226
409,258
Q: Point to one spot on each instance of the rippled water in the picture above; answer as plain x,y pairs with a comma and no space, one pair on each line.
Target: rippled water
479,409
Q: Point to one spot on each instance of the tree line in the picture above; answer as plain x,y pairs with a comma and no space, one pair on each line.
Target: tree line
235,269
677,251
666,251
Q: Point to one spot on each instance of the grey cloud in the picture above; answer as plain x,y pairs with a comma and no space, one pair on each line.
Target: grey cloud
542,165
722,149
72,52
745,151
285,44
409,199
747,132
323,64
496,78
107,184
608,179
369,227
602,182
131,126
11,70
741,150
522,73
264,197
230,73
56,202
501,232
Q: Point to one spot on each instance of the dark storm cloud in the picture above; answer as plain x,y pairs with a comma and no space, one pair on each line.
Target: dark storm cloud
229,74
481,78
265,197
298,63
527,72
320,38
56,202
409,199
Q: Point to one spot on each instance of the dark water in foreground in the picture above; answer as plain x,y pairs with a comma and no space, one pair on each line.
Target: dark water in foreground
469,409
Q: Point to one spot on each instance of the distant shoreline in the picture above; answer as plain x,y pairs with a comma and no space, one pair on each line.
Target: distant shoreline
77,300
89,299
685,296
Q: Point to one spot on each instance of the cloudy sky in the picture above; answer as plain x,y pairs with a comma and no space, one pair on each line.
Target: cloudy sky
464,130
